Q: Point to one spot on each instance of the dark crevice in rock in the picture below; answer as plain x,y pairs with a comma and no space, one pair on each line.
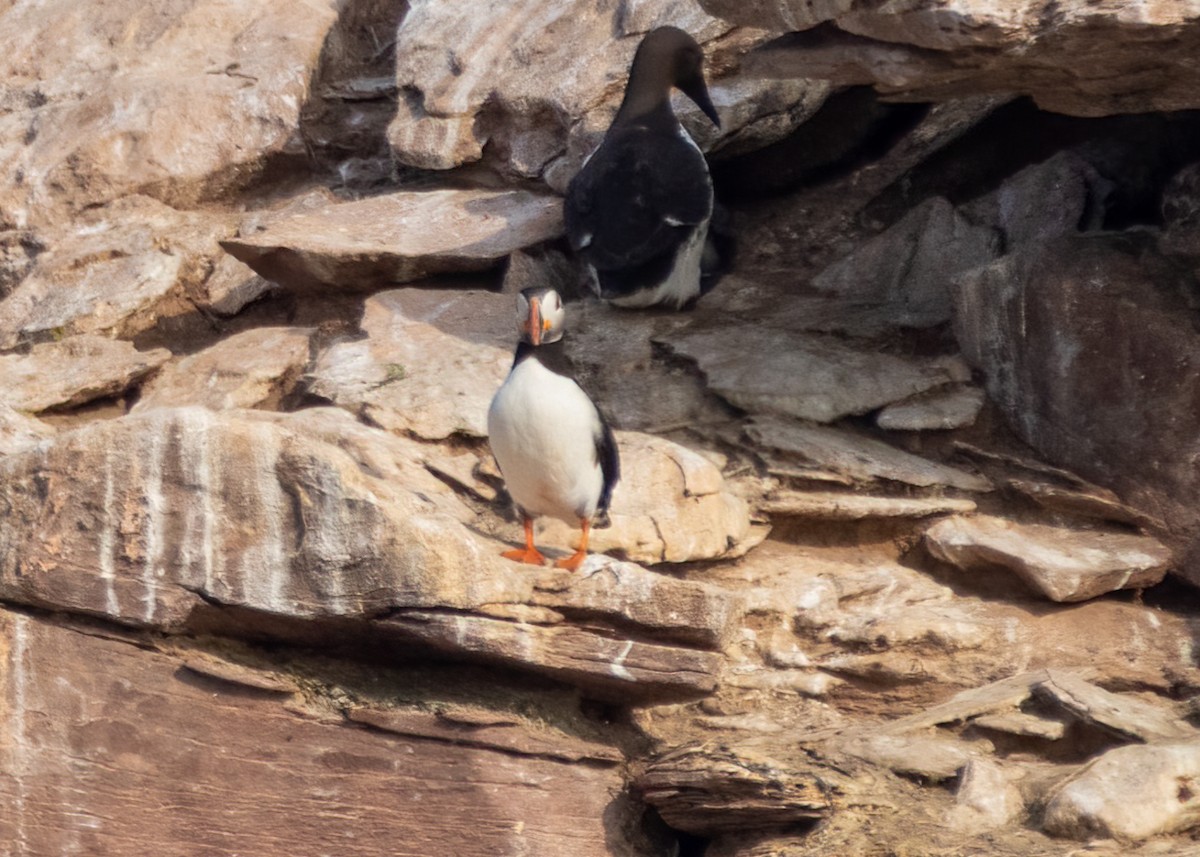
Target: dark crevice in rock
1138,154
854,127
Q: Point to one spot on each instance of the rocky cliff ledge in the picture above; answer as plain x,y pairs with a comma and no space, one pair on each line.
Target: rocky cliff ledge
905,557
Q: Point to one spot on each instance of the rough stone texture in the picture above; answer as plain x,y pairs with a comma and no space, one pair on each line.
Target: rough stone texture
1060,53
143,755
810,377
909,268
540,116
1061,564
832,505
938,410
671,505
118,270
430,363
256,368
856,457
401,237
19,432
1131,793
182,102
74,371
1089,349
987,798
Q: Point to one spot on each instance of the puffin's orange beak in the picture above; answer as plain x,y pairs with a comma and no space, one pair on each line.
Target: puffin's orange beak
535,321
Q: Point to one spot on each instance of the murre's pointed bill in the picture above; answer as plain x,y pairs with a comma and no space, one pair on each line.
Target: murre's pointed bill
555,451
638,211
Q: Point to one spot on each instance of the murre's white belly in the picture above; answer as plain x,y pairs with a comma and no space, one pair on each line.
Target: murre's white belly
682,284
543,428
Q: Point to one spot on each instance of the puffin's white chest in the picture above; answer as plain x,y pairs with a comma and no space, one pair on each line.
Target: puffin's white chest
543,429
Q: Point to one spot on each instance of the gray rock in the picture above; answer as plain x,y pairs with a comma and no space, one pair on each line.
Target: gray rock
858,457
401,237
909,267
1131,793
769,371
955,407
75,371
1059,563
1089,349
19,432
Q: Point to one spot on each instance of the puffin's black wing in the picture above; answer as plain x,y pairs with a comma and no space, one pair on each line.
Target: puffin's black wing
640,196
610,463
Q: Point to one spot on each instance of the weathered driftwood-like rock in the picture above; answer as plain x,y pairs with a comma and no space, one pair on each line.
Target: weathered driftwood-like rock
707,790
74,371
143,756
1059,563
1122,714
381,241
1060,53
846,506
182,101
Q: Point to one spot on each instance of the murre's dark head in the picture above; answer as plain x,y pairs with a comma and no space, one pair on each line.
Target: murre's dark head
540,315
667,57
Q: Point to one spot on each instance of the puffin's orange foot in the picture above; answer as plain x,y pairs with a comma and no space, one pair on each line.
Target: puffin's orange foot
572,562
529,556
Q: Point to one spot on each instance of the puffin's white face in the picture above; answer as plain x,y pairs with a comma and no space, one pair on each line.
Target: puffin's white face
541,316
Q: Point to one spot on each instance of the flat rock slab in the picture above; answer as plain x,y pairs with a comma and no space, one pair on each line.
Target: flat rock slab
766,371
1120,713
671,505
252,369
856,457
220,768
382,241
840,506
1059,563
954,407
1130,793
430,363
622,670
74,371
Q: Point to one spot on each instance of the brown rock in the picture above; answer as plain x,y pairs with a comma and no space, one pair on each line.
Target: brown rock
74,371
1120,713
401,237
183,102
671,505
252,369
1088,349
839,506
430,363
1061,54
538,117
141,756
709,790
116,270
623,670
1059,563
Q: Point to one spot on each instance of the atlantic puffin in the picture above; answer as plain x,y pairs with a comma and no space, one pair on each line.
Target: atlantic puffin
556,453
638,211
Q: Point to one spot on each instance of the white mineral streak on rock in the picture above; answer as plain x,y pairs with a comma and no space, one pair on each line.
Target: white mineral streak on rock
109,516
155,511
618,663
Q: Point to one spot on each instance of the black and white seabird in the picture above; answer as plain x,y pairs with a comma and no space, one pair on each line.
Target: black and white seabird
637,213
555,451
